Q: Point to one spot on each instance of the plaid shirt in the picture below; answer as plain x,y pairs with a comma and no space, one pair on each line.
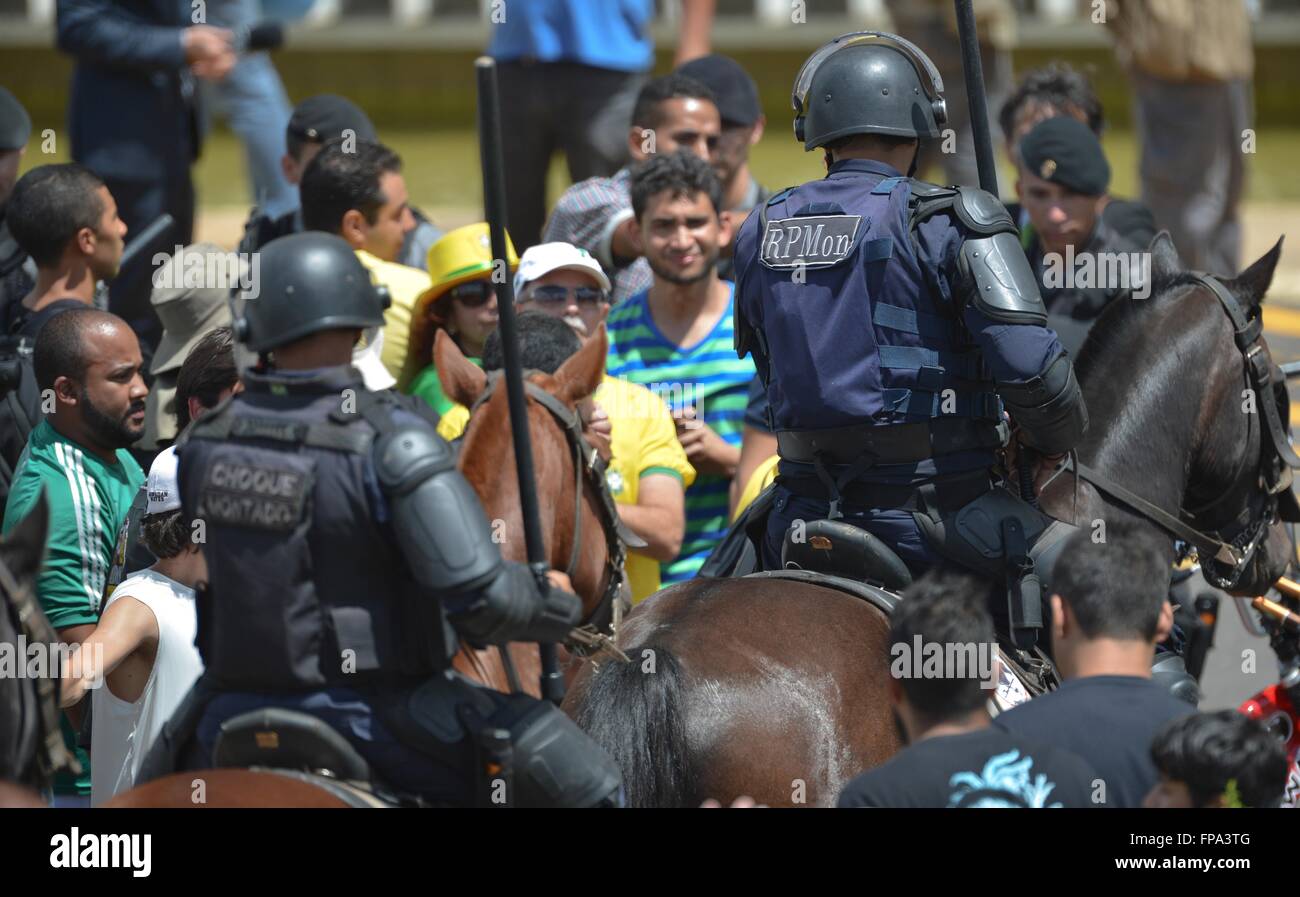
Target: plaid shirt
587,215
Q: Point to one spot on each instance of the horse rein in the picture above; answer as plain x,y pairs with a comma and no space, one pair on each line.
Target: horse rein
595,634
1229,556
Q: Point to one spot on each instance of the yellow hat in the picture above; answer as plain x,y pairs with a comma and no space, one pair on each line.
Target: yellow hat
462,255
459,256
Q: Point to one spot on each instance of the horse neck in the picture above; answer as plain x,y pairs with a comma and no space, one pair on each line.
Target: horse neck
1151,391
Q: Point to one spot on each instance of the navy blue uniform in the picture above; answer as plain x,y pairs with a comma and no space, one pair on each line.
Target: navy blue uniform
856,301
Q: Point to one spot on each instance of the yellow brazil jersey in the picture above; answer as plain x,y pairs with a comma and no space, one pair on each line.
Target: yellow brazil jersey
405,286
643,441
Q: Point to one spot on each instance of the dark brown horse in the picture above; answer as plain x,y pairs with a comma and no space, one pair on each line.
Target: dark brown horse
778,690
487,459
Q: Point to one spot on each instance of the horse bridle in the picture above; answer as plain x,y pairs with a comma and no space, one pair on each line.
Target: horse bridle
1227,554
595,633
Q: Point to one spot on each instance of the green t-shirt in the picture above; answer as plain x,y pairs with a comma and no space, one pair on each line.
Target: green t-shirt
427,386
88,500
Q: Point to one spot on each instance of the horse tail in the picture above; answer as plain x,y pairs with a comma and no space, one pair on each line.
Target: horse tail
634,711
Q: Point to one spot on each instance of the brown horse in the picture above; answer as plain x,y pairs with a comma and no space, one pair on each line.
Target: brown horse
778,689
487,459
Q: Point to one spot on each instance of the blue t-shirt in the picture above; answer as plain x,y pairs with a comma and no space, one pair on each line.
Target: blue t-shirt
608,34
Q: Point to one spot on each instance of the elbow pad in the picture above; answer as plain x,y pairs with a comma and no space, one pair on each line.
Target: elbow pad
999,281
1049,408
440,524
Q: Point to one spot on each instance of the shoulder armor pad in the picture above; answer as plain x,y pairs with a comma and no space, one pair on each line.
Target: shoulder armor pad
406,456
982,212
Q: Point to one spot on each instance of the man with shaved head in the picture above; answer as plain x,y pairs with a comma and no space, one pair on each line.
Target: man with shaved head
88,368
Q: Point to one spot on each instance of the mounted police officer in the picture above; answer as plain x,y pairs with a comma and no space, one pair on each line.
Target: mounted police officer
893,322
347,553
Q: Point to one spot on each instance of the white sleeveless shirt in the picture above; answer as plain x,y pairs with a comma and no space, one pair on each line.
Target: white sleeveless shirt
122,732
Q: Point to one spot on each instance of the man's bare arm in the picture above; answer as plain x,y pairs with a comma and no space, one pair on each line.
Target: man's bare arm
659,516
124,627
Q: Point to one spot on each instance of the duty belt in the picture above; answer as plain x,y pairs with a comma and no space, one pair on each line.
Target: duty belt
891,444
945,494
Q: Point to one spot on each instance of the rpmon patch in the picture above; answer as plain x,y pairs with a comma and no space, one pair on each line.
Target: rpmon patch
814,241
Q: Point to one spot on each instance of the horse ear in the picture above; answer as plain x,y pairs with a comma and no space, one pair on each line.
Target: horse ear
1165,262
24,548
581,373
1250,285
462,380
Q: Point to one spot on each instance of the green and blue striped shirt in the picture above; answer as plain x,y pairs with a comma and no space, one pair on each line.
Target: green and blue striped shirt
708,376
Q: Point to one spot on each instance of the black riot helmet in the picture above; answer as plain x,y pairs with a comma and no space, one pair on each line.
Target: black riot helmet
303,284
867,82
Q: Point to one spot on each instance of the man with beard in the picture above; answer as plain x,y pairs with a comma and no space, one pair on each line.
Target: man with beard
677,338
673,112
89,363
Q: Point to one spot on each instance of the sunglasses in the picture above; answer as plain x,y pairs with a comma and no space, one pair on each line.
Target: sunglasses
473,294
554,294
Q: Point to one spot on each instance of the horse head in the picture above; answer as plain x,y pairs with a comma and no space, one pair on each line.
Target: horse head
1186,428
567,498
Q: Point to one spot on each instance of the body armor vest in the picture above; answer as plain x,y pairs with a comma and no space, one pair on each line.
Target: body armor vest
307,587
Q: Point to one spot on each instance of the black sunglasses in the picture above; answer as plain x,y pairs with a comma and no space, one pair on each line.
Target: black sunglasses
473,294
554,294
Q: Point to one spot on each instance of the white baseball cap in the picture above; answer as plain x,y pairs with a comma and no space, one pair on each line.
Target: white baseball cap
544,258
161,489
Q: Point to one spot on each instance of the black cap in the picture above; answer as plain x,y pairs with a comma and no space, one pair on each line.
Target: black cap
735,92
15,123
1064,150
326,116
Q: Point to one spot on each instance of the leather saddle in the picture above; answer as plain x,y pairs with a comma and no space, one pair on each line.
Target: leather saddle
841,549
277,738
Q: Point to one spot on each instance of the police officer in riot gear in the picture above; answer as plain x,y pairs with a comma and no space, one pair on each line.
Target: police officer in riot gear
893,321
347,552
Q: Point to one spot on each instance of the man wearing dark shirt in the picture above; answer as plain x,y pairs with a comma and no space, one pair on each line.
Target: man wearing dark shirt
1082,262
955,758
1108,613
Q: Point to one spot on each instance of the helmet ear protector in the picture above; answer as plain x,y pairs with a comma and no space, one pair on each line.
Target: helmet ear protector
925,69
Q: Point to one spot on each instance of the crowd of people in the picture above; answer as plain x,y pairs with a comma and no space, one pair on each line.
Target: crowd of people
642,245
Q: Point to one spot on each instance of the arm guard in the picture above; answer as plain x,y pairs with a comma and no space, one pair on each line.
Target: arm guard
447,541
1049,408
999,282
